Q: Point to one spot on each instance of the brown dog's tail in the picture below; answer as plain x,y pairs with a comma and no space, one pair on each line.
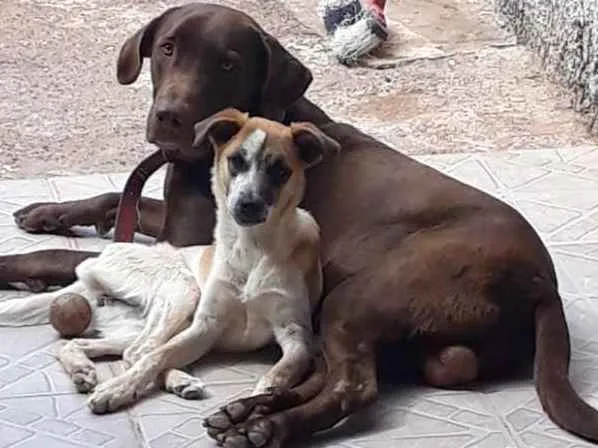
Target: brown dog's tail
560,401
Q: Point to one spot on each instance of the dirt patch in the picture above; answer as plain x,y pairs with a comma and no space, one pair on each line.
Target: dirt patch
63,111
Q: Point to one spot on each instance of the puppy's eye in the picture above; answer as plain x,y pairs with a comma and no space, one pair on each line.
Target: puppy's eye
167,48
237,164
279,173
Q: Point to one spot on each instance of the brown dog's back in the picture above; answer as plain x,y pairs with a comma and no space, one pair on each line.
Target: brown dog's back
460,266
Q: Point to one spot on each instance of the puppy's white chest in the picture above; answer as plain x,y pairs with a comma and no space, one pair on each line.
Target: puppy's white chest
259,284
249,270
249,325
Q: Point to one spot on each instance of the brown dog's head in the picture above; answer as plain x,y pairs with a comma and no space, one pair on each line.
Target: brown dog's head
205,58
259,165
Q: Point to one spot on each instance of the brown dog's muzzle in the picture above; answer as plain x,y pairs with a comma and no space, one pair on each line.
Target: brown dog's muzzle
170,127
171,119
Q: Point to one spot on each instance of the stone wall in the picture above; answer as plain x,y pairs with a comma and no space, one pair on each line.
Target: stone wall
565,35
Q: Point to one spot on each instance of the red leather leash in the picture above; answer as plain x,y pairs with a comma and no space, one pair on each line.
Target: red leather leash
127,216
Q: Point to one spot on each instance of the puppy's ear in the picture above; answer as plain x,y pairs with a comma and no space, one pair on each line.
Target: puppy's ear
220,127
286,81
312,144
137,47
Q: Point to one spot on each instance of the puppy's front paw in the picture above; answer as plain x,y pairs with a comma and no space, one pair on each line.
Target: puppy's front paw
189,388
85,378
112,395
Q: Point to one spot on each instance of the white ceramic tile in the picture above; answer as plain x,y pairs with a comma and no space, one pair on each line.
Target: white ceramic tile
554,190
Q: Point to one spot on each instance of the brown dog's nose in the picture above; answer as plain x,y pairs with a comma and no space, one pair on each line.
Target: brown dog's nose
169,117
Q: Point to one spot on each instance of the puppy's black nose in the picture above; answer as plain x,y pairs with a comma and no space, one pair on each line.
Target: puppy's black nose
250,211
169,117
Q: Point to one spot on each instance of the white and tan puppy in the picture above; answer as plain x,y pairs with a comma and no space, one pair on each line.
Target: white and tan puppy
255,284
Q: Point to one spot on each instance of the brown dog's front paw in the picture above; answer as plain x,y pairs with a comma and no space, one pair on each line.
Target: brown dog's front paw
59,217
41,217
236,412
223,420
248,409
259,433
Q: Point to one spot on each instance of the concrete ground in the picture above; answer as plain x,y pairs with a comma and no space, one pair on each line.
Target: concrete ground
456,83
555,190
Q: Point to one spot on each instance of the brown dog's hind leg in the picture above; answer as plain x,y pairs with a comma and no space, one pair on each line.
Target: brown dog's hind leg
452,366
42,268
99,211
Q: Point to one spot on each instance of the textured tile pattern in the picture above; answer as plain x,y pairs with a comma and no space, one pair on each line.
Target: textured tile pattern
555,190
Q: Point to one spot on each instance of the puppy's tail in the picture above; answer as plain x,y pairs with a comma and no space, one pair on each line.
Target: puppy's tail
560,401
32,310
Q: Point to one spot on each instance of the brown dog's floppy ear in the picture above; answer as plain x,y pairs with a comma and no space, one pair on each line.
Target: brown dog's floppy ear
220,127
287,79
135,48
312,144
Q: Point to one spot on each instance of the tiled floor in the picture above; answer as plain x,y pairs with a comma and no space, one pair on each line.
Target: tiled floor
556,190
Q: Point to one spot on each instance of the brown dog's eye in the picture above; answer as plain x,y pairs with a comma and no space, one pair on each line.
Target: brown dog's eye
167,49
227,66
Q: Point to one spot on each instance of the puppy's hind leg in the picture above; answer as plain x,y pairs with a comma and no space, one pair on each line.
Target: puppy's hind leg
34,309
183,349
171,312
75,356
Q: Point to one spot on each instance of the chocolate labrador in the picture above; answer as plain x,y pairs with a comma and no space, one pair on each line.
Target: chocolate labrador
411,258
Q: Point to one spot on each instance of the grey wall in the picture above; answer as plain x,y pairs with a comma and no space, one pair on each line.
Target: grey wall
565,35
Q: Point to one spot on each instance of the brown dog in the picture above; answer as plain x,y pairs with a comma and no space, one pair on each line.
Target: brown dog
410,256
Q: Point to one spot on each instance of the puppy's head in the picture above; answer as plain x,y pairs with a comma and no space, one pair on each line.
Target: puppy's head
205,58
259,165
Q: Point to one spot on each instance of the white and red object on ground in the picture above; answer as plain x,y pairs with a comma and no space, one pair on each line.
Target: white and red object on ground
356,27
